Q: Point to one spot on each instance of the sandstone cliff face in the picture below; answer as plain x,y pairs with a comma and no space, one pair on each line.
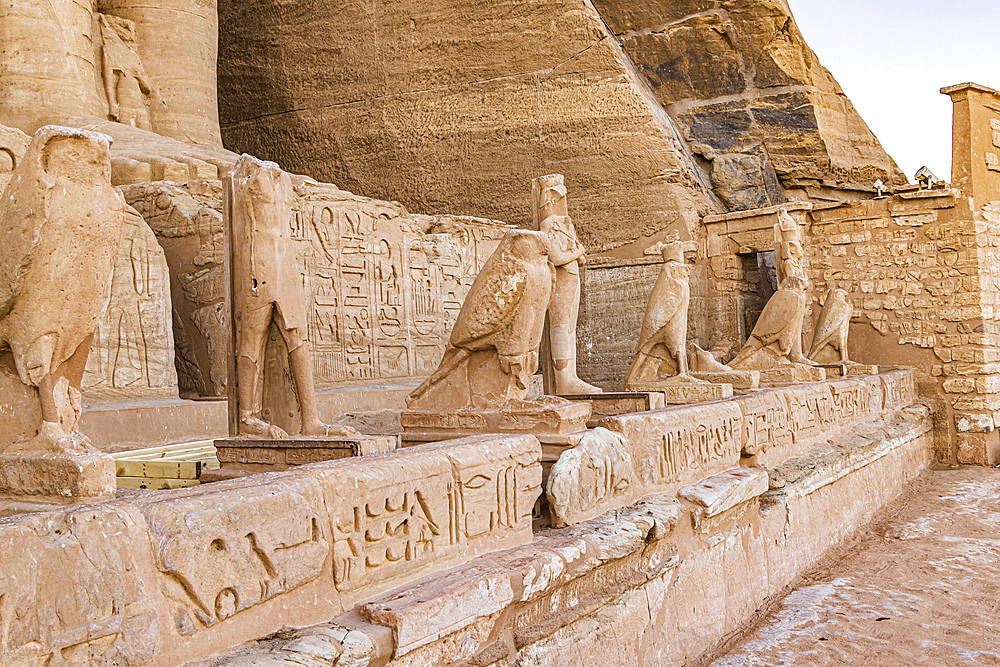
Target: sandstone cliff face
455,105
752,99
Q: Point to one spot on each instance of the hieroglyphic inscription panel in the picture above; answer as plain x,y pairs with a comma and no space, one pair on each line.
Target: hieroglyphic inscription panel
681,445
403,513
766,423
216,563
386,286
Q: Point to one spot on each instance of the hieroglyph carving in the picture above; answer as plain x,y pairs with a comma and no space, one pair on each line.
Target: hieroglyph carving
594,472
383,286
386,286
132,355
399,520
60,228
697,448
219,563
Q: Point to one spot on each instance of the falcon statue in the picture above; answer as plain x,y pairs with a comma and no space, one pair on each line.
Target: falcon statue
834,321
665,322
778,326
61,223
504,311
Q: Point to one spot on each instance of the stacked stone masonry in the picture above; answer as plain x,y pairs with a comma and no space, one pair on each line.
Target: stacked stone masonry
183,575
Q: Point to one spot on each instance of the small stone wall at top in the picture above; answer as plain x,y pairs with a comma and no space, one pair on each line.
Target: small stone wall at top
667,449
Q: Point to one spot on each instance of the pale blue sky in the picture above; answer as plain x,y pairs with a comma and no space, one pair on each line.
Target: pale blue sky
893,56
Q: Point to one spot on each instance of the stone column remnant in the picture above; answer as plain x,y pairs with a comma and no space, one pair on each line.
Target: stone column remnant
267,286
551,216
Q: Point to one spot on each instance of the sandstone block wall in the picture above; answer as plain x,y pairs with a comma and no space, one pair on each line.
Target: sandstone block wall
425,556
921,270
670,449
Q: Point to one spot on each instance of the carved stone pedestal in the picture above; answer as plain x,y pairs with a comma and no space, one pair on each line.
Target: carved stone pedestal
743,381
557,423
686,393
57,476
551,419
850,369
612,404
783,376
247,456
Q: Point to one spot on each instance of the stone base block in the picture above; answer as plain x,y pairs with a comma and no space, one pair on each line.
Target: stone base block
783,376
686,393
849,370
57,477
743,381
554,421
611,404
247,456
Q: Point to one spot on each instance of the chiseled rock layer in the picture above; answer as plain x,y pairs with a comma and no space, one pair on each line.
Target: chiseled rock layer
455,106
657,582
752,98
438,104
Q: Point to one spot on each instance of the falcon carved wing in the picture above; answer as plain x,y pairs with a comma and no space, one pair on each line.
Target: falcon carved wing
774,321
492,302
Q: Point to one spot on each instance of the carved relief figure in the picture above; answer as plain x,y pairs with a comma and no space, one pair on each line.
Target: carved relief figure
595,471
493,349
129,90
777,336
830,342
551,216
268,286
663,338
60,228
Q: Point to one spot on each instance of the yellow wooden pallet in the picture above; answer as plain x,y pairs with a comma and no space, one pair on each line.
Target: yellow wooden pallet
167,467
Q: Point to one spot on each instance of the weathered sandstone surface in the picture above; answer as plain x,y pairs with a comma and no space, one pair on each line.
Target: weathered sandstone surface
427,555
456,106
752,99
656,112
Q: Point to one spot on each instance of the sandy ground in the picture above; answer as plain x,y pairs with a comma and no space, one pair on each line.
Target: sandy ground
920,586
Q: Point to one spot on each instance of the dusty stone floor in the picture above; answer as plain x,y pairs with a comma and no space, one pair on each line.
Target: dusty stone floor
919,586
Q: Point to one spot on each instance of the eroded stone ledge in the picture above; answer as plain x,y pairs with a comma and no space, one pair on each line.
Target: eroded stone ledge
663,576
